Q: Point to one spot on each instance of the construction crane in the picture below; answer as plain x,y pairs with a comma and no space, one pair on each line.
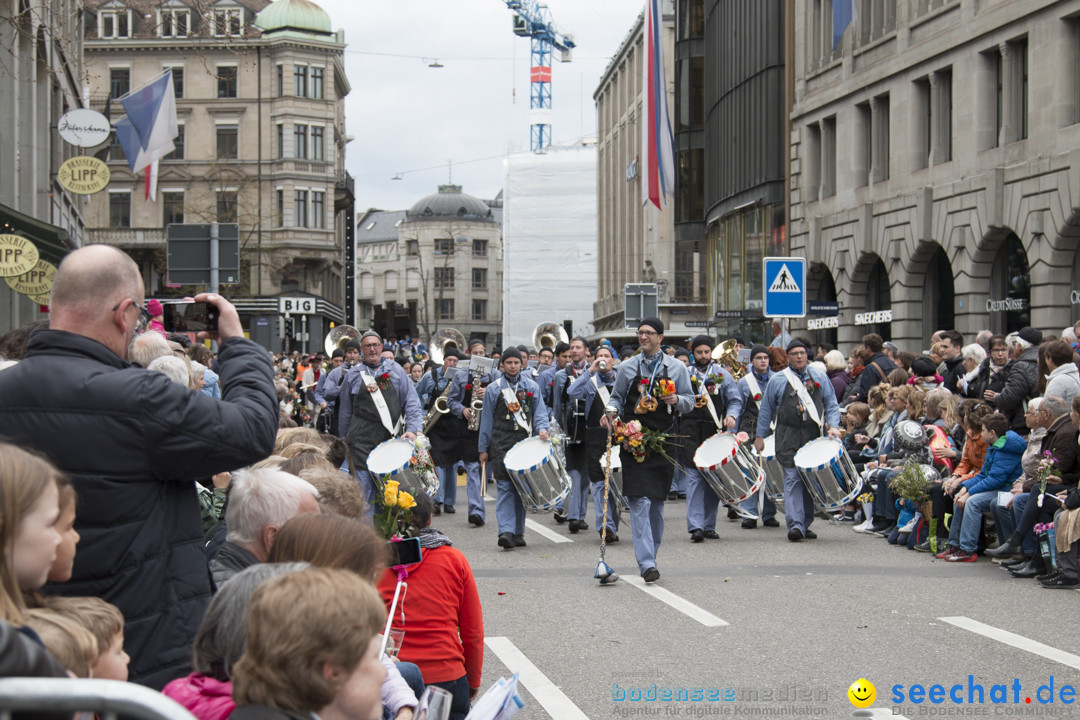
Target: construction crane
533,20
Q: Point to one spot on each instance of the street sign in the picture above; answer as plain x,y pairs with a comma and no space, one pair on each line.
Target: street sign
697,323
785,287
639,302
188,254
296,305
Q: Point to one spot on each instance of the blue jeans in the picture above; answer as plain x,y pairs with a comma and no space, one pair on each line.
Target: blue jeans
647,527
459,689
474,488
678,480
577,503
967,520
598,505
798,504
702,502
768,507
509,511
447,494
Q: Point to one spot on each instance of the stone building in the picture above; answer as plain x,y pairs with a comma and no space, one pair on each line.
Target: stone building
637,242
935,177
41,69
434,266
260,90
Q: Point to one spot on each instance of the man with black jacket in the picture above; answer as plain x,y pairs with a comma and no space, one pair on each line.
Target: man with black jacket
133,442
952,353
878,366
1021,379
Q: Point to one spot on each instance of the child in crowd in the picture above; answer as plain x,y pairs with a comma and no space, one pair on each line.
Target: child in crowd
69,536
65,639
105,624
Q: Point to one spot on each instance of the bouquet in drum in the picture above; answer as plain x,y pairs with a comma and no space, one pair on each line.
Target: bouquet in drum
638,440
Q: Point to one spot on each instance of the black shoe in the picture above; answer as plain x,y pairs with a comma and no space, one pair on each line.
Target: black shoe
711,535
436,509
771,522
884,532
1026,571
1048,576
732,513
1015,562
810,534
449,509
573,527
748,524
1061,582
506,540
560,516
682,496
611,536
673,496
476,520
519,541
794,535
697,536
651,575
1006,549
923,547
880,525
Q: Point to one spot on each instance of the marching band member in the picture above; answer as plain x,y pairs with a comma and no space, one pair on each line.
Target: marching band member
564,413
328,407
712,385
546,381
513,411
469,386
444,434
646,484
332,386
594,388
742,415
376,400
794,397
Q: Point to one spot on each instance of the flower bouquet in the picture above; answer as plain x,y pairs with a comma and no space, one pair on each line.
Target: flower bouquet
1047,469
393,510
422,464
638,440
911,483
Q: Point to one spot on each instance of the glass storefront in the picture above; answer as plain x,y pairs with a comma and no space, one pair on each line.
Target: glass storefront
1009,304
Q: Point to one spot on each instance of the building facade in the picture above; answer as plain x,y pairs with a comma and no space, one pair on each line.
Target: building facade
260,93
41,71
637,242
434,266
935,178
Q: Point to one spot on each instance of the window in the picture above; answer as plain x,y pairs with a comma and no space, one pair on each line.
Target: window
226,81
999,96
444,278
811,163
479,279
178,144
227,142
444,308
863,152
300,146
226,206
1019,50
178,82
828,157
479,309
872,155
412,247
227,23
300,80
173,205
113,24
317,91
318,146
280,81
174,23
318,209
479,248
120,209
279,207
934,101
391,279
300,208
444,246
412,279
280,141
119,82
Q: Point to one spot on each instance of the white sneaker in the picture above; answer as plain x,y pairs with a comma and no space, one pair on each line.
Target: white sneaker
864,527
908,528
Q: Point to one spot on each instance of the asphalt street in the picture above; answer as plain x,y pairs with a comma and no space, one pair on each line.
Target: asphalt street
762,627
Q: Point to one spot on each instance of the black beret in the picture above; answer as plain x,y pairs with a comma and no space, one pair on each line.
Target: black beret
701,340
654,323
794,344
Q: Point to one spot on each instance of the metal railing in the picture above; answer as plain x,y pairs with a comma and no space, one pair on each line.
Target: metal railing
107,698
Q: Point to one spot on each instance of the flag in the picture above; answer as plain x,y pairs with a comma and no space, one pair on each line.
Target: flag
843,12
146,134
657,145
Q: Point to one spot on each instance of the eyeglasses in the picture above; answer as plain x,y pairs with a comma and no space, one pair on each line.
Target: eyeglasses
144,314
647,333
371,346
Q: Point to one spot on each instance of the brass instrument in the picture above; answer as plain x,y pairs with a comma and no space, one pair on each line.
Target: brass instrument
446,338
728,358
440,407
477,366
474,423
338,336
548,335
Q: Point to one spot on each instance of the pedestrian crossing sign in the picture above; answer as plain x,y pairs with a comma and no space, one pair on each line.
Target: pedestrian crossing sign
784,287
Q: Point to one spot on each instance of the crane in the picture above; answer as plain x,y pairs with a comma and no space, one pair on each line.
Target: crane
532,19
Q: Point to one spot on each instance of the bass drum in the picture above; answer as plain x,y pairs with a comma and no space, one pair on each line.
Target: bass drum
392,460
538,474
828,473
729,468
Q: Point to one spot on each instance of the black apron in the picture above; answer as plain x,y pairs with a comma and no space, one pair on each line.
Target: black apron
794,427
366,429
697,426
505,433
468,448
443,434
748,421
651,477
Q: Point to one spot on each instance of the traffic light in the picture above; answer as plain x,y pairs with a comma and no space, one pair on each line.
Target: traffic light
290,327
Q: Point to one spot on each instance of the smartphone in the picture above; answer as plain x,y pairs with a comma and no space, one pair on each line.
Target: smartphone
404,552
183,316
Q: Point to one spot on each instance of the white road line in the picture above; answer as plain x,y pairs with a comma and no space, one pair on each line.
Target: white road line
550,697
488,498
1017,641
682,605
549,534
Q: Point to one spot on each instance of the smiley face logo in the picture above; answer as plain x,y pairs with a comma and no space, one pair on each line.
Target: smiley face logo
862,693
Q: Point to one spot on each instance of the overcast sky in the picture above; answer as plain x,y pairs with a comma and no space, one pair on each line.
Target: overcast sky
409,119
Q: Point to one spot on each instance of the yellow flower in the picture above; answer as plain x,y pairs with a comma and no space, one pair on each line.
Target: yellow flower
406,501
390,498
391,486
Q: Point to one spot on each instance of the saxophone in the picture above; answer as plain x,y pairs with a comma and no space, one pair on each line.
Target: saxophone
476,405
440,407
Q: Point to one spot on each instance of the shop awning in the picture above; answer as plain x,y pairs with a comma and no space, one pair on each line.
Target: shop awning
51,241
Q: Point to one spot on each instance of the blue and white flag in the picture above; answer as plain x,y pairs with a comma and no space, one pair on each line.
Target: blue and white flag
658,170
843,13
146,134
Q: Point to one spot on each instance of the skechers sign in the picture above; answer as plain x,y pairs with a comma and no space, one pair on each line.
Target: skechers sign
873,318
1006,305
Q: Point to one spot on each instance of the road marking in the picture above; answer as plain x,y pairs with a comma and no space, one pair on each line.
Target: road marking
550,697
488,498
682,605
1017,641
549,534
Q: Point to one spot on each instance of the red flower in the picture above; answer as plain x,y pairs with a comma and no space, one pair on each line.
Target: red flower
468,386
385,376
644,381
757,396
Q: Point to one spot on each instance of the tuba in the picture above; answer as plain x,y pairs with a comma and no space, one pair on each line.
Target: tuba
548,335
727,356
444,339
338,336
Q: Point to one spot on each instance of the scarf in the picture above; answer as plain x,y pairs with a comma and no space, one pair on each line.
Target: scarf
430,538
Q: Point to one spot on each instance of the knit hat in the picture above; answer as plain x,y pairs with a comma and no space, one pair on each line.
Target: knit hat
798,344
153,306
654,323
758,350
923,367
511,352
1031,335
701,340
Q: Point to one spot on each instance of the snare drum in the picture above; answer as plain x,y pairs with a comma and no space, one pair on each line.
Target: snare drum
615,487
828,473
774,474
538,474
390,460
729,468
